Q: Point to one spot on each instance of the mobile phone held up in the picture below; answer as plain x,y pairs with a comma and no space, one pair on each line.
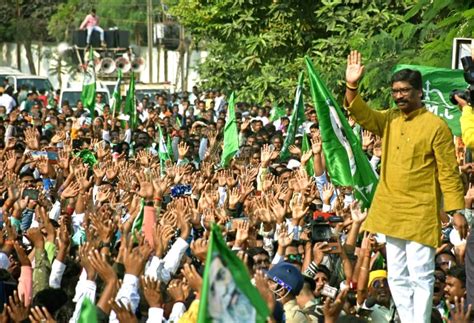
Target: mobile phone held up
31,193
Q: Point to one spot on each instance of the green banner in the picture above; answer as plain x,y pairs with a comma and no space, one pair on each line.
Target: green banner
437,84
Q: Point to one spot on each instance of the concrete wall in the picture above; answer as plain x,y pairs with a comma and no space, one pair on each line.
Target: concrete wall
43,65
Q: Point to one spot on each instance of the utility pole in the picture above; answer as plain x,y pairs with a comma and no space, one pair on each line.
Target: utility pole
182,53
17,38
150,39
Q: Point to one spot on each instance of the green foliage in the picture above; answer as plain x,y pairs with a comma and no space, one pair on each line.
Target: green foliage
26,20
256,47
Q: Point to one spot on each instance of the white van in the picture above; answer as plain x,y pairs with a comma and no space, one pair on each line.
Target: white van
72,93
31,81
6,71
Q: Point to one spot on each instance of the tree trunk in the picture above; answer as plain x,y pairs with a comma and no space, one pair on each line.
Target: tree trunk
29,57
18,55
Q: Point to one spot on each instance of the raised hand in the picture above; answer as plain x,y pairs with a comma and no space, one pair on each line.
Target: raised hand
297,206
183,149
328,191
58,137
234,198
101,266
123,311
84,252
32,138
178,291
151,291
112,171
41,315
161,239
332,309
266,155
36,237
306,156
63,159
278,210
284,239
367,139
319,250
134,262
316,145
243,228
354,69
16,308
356,213
459,313
71,191
82,179
199,249
11,160
192,277
294,150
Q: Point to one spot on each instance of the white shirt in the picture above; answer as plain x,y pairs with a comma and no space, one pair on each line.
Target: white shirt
8,102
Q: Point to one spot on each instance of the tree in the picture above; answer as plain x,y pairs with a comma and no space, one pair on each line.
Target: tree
24,22
256,48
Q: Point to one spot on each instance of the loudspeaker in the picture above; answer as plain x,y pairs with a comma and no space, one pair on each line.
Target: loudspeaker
95,39
79,38
122,38
109,38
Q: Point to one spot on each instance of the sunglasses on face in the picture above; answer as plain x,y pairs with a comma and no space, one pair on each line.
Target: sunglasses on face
379,283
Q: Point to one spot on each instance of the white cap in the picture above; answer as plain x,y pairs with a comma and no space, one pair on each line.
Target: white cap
293,163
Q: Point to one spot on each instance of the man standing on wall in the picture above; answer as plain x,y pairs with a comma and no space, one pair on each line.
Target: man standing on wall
418,173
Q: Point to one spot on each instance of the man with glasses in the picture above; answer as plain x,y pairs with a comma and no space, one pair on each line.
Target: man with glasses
419,171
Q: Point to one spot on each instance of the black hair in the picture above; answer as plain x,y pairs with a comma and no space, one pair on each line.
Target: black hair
407,75
93,10
309,281
325,270
458,272
51,298
445,252
256,251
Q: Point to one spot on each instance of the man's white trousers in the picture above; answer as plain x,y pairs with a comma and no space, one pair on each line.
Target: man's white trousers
411,279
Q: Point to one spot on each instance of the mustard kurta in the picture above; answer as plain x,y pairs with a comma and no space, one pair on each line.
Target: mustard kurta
418,164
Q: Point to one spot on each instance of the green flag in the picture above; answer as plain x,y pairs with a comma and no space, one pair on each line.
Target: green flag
138,222
277,112
227,294
163,152
346,162
231,135
169,147
437,84
116,97
88,85
88,312
305,146
130,105
296,120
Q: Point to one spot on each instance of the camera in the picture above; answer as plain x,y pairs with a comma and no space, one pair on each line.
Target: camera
468,94
320,225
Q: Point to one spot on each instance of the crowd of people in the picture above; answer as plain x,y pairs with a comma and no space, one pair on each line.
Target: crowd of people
93,213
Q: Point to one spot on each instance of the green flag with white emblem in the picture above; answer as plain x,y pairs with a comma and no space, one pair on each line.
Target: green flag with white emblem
346,162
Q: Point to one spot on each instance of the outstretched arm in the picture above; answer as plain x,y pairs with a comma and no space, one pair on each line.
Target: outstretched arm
371,120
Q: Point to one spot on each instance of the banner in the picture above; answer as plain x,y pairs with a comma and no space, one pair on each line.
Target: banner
227,293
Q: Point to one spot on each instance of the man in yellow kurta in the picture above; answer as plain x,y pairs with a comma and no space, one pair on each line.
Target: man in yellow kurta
418,168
